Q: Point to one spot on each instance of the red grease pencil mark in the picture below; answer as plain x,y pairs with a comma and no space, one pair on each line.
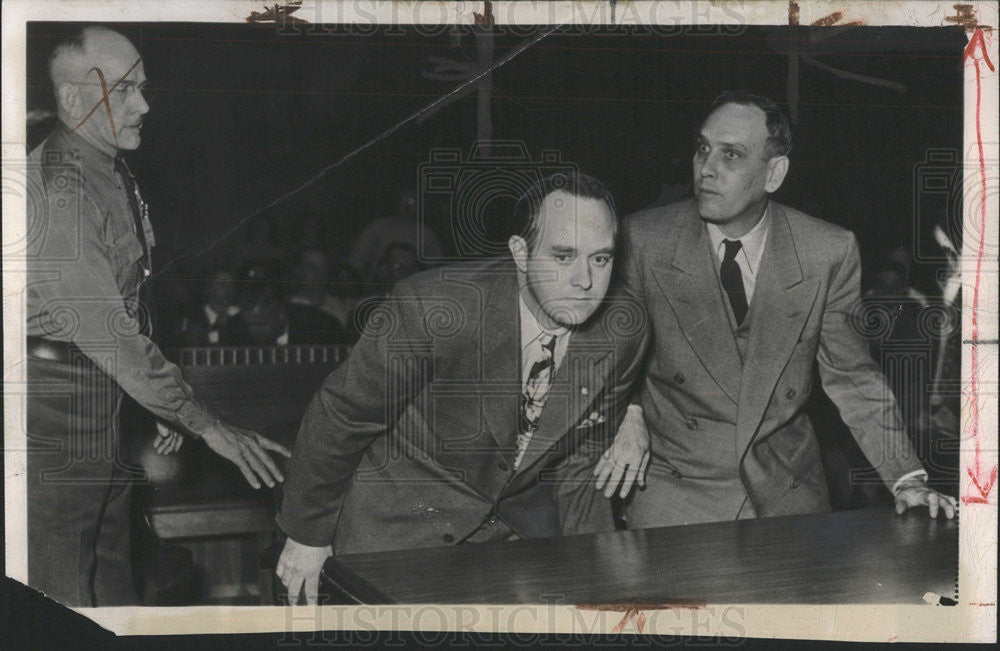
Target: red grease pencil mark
976,50
966,17
833,19
278,14
106,97
826,21
793,12
635,611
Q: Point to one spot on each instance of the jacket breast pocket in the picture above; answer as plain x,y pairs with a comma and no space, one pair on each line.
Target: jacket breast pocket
808,339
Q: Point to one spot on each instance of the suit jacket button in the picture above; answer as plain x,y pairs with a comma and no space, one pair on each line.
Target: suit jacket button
790,394
692,423
503,466
676,473
679,378
796,483
448,538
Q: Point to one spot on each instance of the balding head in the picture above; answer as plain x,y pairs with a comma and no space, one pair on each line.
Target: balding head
98,61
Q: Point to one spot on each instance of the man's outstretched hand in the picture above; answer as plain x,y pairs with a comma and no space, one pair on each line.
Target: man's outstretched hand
248,450
299,566
914,492
626,460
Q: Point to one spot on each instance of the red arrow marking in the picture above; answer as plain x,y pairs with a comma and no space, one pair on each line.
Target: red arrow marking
976,50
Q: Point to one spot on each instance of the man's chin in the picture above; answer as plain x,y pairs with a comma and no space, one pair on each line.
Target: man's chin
706,212
708,209
129,140
570,316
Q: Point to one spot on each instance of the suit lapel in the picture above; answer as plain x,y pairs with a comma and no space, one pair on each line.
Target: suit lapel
499,363
691,286
782,303
583,373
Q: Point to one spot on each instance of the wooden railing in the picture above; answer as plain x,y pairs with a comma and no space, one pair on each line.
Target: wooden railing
207,506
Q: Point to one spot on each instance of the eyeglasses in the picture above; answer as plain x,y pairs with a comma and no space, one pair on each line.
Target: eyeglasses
126,90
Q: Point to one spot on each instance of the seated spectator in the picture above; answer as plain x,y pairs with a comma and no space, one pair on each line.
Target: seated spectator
313,283
404,228
346,289
265,319
893,278
399,261
199,325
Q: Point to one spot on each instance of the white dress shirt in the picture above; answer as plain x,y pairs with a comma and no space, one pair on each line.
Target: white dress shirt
752,250
530,332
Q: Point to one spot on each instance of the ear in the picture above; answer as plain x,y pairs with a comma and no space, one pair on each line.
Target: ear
69,99
777,168
519,251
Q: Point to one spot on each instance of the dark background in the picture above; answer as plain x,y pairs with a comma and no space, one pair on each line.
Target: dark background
245,113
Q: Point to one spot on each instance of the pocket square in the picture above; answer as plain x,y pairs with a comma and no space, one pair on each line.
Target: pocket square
593,419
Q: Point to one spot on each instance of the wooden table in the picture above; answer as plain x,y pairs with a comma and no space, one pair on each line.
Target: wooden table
870,556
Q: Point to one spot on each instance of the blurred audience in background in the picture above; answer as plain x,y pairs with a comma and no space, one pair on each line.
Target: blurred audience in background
199,323
405,227
265,319
314,286
912,335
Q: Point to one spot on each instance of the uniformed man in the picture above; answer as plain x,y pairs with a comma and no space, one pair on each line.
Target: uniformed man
88,339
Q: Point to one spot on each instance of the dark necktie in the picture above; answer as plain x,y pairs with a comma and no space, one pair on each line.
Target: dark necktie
536,389
732,280
136,208
133,202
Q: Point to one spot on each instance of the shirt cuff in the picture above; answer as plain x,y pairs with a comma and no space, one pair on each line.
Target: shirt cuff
920,474
196,417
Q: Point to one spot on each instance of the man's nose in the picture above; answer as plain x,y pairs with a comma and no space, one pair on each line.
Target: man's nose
580,274
706,166
140,105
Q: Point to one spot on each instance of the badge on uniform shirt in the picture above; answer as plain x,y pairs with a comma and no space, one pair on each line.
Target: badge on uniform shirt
147,226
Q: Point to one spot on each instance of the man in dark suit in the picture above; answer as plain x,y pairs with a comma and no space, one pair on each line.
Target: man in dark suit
199,324
477,401
744,296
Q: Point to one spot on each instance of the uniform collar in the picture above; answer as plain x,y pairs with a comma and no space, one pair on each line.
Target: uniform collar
84,150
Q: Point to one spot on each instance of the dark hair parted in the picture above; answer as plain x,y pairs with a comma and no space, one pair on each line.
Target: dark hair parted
779,131
529,204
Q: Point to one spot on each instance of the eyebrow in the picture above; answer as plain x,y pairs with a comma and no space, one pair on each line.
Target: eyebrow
733,145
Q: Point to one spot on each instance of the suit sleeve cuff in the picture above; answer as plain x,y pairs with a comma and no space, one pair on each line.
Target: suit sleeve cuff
916,474
302,533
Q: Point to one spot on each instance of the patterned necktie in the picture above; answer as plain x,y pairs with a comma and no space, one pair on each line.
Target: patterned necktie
732,280
536,389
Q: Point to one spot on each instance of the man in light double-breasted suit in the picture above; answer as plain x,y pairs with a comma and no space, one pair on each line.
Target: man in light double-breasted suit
744,297
477,401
